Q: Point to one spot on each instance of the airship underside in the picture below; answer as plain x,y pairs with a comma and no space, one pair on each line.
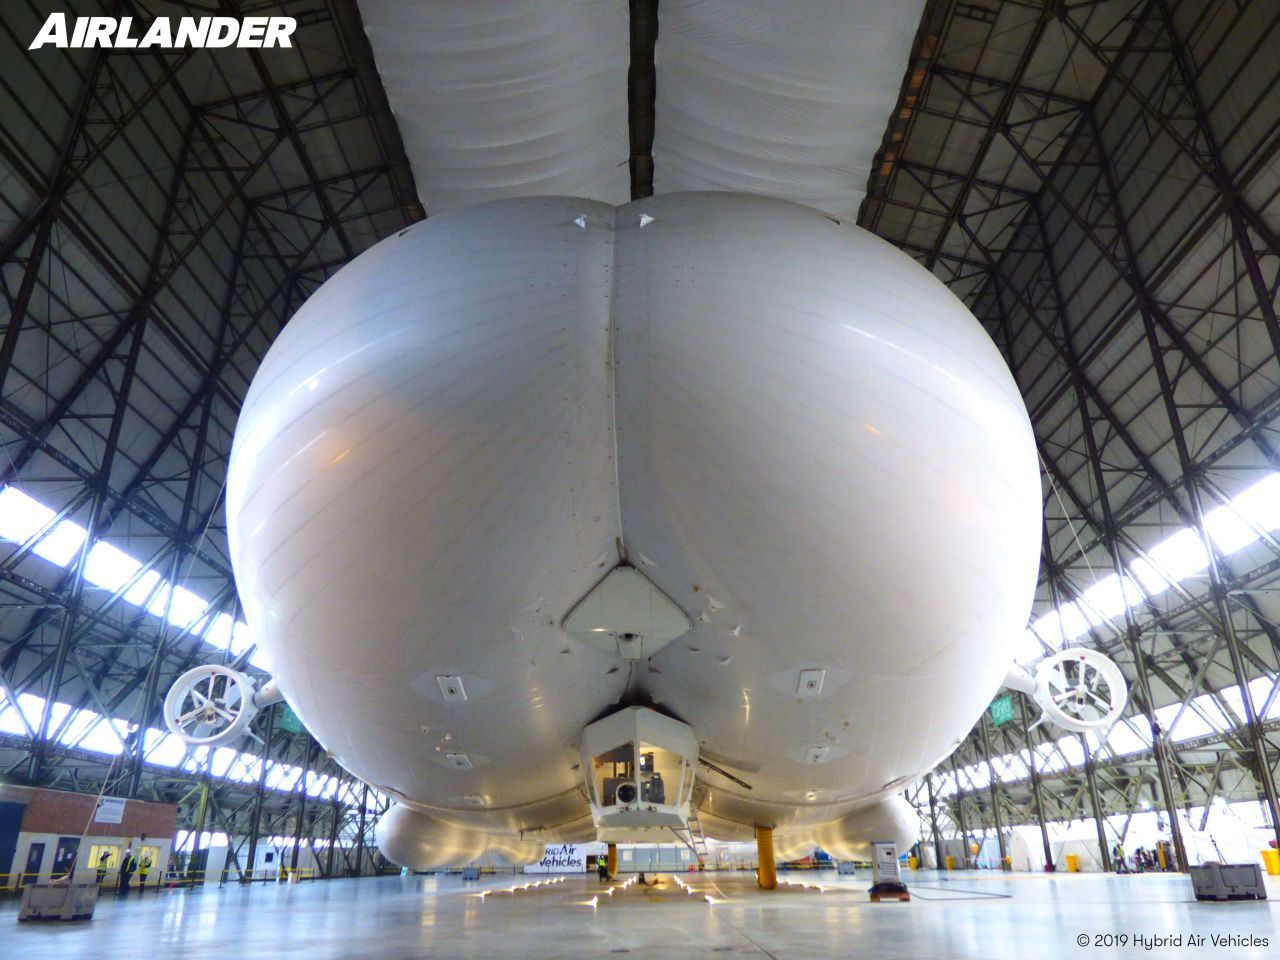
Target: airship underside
543,464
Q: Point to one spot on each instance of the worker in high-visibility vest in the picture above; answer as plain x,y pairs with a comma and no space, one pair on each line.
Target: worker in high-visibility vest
1117,858
127,866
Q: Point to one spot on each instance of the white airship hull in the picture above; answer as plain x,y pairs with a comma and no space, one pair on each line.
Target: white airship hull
793,430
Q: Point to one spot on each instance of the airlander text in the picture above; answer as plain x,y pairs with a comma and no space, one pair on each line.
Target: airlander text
164,33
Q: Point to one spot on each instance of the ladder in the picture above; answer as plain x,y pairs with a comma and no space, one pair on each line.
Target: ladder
694,838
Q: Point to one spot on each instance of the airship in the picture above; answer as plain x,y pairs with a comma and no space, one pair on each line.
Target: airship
702,515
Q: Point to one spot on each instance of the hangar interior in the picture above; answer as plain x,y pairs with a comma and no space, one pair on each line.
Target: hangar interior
1096,181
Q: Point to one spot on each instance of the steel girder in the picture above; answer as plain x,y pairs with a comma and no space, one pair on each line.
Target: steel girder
163,216
1097,181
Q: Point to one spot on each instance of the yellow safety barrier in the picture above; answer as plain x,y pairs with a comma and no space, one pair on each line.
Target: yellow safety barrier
951,862
12,883
1271,860
1073,863
913,862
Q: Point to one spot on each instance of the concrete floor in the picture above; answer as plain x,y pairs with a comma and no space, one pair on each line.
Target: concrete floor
977,914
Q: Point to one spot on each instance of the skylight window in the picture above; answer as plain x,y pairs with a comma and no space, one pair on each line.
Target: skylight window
1063,624
10,720
57,712
1152,580
105,737
1260,688
1071,748
164,749
223,758
259,659
1228,530
246,771
1012,767
218,633
1213,714
1110,596
1124,740
30,706
195,759
242,638
109,567
183,607
61,544
977,775
1260,503
1047,759
141,590
1049,629
1190,725
77,726
1180,556
21,517
1027,647
88,730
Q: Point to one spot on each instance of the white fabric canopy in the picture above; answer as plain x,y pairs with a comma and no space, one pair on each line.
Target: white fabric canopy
785,99
782,99
507,99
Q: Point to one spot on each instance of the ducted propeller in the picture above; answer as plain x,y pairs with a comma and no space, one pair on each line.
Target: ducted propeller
1077,689
212,705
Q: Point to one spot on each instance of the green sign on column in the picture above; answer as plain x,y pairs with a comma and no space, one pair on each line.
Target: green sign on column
290,722
1002,709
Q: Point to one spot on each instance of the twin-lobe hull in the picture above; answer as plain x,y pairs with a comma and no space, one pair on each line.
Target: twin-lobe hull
794,431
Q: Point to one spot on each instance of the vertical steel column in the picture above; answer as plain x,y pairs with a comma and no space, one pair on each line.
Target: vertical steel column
1218,591
995,794
333,832
960,817
1035,783
302,806
1095,801
150,698
47,214
1109,532
198,855
364,802
260,794
933,822
102,481
76,592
